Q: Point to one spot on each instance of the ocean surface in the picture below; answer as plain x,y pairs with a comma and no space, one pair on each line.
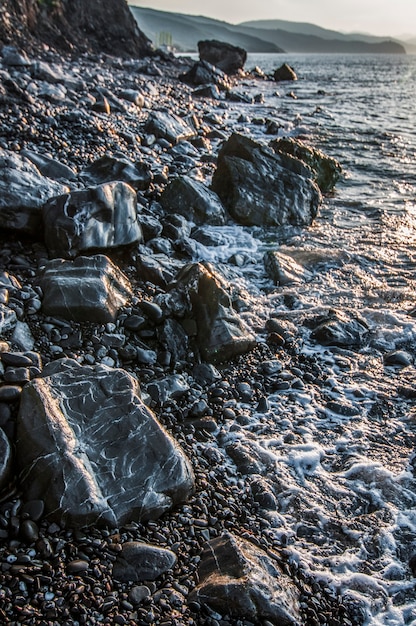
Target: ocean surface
342,453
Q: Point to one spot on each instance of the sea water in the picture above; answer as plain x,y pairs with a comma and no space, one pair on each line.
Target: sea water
347,495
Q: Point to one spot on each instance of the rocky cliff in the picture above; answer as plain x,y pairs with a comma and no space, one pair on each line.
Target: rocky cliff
73,25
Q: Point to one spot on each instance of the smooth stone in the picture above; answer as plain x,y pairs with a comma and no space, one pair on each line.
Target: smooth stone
139,562
138,593
29,531
34,509
10,393
78,566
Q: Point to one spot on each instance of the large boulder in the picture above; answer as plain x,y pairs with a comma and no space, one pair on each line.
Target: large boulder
284,73
239,579
97,218
227,57
326,170
194,200
221,334
261,188
87,289
23,191
90,448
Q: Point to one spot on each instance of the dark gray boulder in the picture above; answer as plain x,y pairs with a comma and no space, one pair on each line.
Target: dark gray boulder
261,188
194,200
90,448
159,269
109,168
5,459
228,58
50,167
339,328
23,191
326,170
284,73
169,126
203,73
139,562
221,334
239,579
87,289
97,218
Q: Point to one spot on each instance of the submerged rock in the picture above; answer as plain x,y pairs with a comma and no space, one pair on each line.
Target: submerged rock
87,289
90,448
225,56
260,188
239,579
284,270
194,200
326,170
342,329
97,218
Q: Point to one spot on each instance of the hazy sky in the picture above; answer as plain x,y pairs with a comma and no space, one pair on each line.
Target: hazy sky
378,17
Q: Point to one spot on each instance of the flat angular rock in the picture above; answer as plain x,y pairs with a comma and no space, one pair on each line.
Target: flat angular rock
50,167
221,333
97,218
87,289
23,191
260,188
138,562
159,269
107,169
225,56
326,170
240,579
194,200
203,73
168,126
90,448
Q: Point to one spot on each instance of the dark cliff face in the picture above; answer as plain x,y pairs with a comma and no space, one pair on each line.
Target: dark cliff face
73,25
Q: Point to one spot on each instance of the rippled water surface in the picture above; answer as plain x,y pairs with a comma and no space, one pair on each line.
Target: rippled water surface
342,452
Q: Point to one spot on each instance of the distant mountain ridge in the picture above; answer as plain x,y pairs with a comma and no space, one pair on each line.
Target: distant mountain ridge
257,36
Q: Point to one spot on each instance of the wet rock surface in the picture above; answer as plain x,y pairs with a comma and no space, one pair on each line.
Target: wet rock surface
226,57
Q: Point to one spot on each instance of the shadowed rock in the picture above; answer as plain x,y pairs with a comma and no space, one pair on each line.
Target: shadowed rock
326,170
261,188
225,56
203,73
192,199
23,191
90,448
87,289
242,580
221,333
97,218
5,459
138,562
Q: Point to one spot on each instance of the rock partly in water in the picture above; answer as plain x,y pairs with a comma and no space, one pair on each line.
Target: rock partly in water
139,562
87,289
228,58
326,170
339,328
194,200
221,334
23,191
90,448
284,73
97,218
284,270
261,188
239,579
109,168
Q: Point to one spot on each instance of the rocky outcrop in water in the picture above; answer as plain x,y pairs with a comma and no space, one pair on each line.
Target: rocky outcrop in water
228,58
258,187
90,448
